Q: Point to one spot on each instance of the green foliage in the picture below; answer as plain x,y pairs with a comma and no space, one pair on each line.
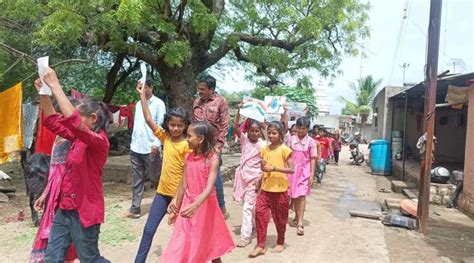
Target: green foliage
175,53
276,39
365,90
61,28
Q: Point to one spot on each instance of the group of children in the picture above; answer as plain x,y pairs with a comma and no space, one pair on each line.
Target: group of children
275,175
75,196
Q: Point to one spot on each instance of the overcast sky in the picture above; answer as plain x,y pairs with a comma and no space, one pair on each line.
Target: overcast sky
395,41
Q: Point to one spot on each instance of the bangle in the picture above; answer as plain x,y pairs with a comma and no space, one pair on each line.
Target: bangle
273,168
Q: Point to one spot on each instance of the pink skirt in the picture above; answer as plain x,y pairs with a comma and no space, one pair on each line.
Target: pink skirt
201,238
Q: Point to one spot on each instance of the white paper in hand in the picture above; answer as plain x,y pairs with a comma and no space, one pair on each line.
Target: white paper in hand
43,63
143,71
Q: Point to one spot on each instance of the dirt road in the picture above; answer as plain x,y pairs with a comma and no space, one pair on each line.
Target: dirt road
330,234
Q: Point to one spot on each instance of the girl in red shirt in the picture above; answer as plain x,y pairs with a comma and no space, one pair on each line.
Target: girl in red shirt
81,205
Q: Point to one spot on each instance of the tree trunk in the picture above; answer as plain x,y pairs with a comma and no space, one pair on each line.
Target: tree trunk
110,87
180,86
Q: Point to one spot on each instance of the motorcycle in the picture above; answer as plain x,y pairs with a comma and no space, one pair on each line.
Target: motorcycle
357,156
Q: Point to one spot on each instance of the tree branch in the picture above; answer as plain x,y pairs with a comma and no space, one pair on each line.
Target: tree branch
17,53
286,45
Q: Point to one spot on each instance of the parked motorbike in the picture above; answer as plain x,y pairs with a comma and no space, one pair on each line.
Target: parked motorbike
357,156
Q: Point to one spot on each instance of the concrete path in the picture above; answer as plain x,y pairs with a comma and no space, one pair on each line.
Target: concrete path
331,235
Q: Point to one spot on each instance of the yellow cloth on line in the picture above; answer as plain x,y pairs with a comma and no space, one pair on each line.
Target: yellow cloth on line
11,133
457,95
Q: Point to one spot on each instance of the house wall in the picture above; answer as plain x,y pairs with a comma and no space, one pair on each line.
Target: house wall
466,201
414,125
381,124
378,121
451,135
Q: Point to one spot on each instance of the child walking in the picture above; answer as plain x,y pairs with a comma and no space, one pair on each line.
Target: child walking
200,233
175,148
304,156
325,147
273,197
81,205
247,175
336,147
49,200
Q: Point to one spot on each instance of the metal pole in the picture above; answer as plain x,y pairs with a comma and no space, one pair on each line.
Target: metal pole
404,135
430,102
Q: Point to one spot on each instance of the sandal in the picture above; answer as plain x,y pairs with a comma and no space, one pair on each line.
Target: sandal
243,243
300,230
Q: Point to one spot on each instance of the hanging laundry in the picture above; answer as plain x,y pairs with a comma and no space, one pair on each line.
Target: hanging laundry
30,117
77,95
457,95
11,133
44,138
127,112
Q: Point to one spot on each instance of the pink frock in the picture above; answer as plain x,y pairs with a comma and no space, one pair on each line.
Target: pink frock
248,173
204,236
303,151
56,171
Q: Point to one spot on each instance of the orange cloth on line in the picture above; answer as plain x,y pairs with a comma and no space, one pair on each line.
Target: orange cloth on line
11,133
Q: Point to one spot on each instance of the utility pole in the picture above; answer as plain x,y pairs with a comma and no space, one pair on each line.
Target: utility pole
404,66
429,114
454,65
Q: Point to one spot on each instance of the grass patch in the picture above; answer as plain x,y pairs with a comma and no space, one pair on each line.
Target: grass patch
116,228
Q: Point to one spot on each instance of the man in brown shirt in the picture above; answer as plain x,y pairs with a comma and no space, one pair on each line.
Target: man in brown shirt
214,109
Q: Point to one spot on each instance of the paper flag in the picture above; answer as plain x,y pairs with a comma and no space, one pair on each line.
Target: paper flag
254,109
143,71
275,104
43,63
296,109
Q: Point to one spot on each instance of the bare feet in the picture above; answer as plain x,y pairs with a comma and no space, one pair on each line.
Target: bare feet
243,243
258,251
278,249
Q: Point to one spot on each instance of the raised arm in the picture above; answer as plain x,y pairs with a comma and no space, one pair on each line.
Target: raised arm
51,79
284,119
45,101
211,180
237,130
146,111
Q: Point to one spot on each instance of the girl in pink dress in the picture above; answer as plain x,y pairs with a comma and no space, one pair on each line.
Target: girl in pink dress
200,233
304,156
247,175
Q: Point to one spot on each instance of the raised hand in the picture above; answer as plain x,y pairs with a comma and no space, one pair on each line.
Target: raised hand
38,84
51,79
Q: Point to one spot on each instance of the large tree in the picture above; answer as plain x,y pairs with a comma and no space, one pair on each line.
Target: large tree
182,39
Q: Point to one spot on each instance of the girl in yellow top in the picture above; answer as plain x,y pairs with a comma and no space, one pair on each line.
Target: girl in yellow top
273,197
175,148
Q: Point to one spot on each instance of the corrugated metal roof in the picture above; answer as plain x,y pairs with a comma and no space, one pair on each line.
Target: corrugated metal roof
418,90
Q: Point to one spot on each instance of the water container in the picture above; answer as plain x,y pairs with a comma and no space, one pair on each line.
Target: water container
396,147
380,161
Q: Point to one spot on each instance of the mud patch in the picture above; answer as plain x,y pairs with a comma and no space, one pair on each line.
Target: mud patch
348,202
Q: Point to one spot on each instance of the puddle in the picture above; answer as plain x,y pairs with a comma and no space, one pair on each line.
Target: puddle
348,202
